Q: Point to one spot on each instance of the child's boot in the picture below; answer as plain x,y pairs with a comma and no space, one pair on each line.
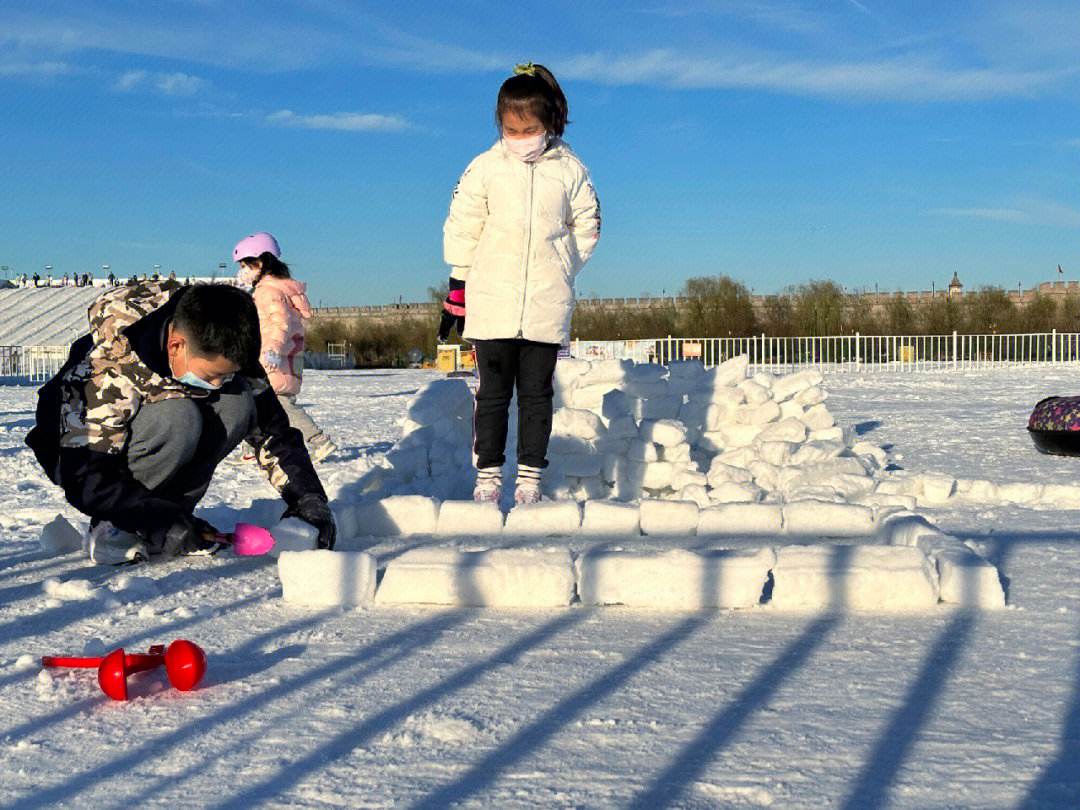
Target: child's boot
488,487
528,484
321,447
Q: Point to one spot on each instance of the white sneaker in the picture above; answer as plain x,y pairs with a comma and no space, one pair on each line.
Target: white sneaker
527,489
488,489
321,448
109,545
526,494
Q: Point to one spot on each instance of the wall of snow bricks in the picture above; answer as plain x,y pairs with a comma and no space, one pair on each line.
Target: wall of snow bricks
903,562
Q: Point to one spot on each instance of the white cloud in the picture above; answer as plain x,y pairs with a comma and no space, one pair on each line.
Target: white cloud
340,121
169,84
1026,211
901,79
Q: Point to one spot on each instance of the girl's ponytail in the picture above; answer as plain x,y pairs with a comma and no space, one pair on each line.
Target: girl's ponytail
533,89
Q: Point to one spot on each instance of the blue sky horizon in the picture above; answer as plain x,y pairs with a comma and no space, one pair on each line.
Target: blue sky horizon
775,142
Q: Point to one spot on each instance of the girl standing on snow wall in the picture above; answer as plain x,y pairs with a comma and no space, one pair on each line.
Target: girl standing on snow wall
283,308
523,221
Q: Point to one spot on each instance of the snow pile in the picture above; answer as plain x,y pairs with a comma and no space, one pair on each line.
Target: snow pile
484,578
651,432
60,537
435,448
324,578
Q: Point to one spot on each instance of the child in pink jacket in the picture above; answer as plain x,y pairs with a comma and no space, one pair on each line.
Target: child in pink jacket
283,308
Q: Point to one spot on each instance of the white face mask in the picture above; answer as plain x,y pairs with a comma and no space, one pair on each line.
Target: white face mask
527,149
247,276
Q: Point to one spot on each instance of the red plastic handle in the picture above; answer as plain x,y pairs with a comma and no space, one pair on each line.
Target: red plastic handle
135,662
61,661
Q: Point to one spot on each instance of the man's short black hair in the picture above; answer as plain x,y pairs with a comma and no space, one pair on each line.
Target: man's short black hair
219,320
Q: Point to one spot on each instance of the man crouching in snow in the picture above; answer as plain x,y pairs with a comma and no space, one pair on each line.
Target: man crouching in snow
147,405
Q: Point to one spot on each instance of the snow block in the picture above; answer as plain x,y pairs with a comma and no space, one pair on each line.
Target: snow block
580,424
733,492
741,519
293,534
648,475
492,578
396,515
786,430
544,519
968,580
873,578
791,384
611,519
668,517
907,529
818,418
439,398
730,372
605,371
656,407
666,432
826,519
469,518
327,578
60,537
675,579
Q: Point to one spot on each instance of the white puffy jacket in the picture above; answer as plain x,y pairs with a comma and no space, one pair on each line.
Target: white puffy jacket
517,234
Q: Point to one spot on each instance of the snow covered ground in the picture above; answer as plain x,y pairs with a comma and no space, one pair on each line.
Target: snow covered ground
582,707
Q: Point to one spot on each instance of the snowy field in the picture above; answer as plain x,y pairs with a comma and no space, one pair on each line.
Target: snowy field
606,707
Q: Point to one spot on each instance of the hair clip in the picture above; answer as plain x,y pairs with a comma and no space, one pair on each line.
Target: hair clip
526,69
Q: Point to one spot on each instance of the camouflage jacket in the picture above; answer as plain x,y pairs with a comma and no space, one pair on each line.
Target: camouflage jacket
85,412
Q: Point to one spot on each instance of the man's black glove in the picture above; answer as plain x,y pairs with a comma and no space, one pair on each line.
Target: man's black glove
187,536
313,509
453,310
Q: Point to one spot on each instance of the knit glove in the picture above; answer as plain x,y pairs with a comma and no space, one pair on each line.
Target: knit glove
314,510
453,310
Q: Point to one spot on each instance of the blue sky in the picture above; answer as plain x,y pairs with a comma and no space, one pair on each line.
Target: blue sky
855,140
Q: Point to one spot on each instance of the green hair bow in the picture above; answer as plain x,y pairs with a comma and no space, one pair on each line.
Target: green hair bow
526,69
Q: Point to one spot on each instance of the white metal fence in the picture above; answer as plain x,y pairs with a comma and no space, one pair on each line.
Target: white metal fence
36,364
30,364
848,352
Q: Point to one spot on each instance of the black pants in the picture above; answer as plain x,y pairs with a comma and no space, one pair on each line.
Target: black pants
502,365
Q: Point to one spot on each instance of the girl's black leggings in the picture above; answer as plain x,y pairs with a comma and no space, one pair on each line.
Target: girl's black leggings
504,364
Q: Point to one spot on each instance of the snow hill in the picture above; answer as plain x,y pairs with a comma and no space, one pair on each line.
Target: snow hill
44,316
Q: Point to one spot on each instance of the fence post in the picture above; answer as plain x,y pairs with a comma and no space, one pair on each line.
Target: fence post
858,349
954,345
1053,346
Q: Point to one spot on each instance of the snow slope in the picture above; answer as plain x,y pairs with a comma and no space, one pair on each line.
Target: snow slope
582,707
46,316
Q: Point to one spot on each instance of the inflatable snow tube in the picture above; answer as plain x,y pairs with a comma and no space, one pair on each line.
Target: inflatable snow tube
1055,426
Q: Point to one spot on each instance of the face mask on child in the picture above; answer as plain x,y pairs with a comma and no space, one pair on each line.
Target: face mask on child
527,149
195,381
247,275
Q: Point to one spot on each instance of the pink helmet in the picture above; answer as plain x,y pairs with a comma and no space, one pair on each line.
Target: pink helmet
254,246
